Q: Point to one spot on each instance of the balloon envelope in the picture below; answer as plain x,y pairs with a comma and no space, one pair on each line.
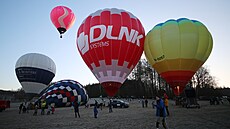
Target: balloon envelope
64,92
35,71
111,42
63,18
176,49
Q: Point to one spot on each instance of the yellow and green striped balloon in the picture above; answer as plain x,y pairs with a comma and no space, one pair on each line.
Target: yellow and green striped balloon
176,49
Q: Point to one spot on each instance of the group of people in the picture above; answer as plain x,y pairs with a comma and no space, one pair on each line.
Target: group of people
144,103
161,109
44,105
76,105
26,107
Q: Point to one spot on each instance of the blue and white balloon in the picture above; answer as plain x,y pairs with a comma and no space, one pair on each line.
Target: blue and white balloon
64,92
35,71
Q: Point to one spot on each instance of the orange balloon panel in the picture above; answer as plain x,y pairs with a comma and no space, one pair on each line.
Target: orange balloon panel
177,78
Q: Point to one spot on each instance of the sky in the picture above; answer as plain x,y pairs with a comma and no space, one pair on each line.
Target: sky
26,27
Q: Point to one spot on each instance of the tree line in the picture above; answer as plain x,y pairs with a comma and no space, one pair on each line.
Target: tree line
144,81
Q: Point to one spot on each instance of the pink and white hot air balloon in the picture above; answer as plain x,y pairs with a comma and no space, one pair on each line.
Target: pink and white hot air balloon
111,42
63,18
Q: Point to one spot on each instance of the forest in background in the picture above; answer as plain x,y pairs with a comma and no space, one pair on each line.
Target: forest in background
143,81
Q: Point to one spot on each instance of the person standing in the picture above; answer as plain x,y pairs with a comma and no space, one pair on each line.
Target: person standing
20,108
24,109
160,113
76,105
43,106
35,110
166,102
49,109
53,107
96,103
143,103
95,111
110,106
146,102
153,104
27,107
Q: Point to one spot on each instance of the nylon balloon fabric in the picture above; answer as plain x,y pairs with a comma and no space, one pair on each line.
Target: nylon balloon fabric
35,71
64,92
63,18
176,49
111,42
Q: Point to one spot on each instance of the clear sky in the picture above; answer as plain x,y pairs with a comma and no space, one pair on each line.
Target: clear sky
26,28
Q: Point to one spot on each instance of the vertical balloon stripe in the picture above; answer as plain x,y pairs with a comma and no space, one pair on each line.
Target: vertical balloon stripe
135,49
116,22
69,23
82,42
203,37
188,38
170,38
132,45
208,48
105,20
141,48
82,45
61,18
94,21
86,32
123,55
195,45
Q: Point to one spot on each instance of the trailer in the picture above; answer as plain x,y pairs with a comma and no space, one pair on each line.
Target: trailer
191,100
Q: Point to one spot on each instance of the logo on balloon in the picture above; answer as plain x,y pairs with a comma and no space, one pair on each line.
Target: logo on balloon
159,58
95,41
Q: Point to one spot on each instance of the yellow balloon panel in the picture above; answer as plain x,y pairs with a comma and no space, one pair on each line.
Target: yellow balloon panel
188,39
179,40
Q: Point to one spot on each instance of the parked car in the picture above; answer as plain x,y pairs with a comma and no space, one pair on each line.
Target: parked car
119,103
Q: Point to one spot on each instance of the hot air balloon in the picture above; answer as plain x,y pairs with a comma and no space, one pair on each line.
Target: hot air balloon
35,71
63,18
111,42
176,49
64,92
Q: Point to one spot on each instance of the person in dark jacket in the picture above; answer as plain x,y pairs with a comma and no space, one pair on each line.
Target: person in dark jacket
110,106
95,111
20,108
76,105
160,112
